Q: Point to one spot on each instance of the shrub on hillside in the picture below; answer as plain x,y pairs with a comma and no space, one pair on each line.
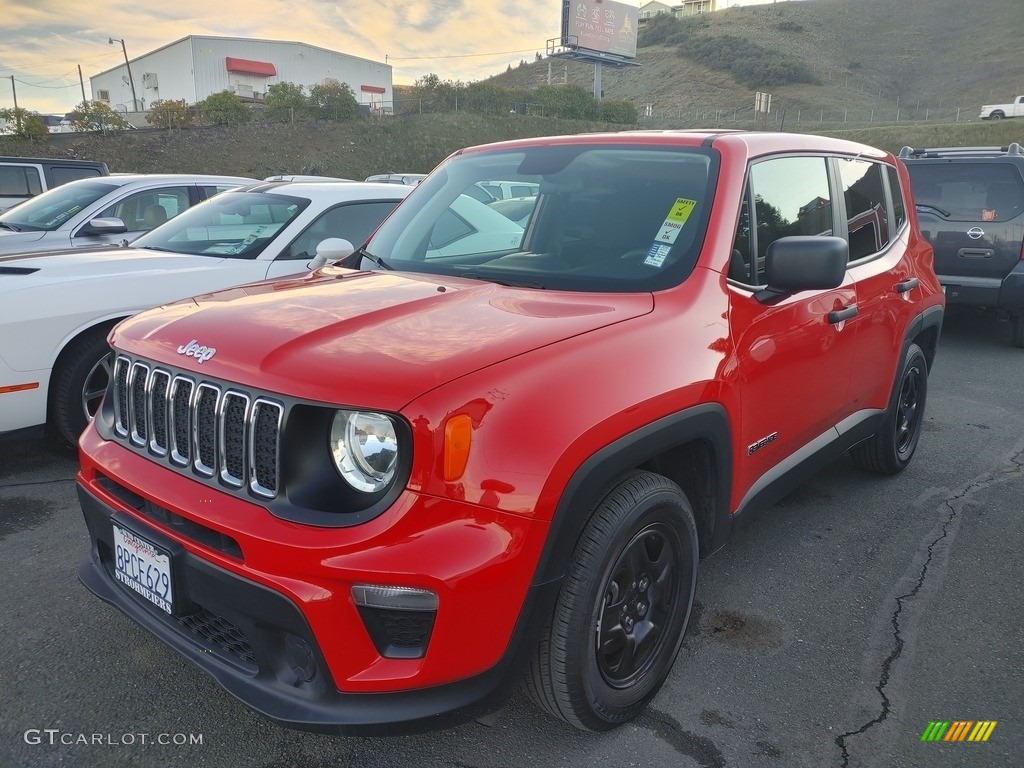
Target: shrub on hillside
223,108
96,116
619,112
333,100
169,113
24,124
748,63
285,101
663,29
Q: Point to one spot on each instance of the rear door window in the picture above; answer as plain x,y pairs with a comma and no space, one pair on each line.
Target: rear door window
867,218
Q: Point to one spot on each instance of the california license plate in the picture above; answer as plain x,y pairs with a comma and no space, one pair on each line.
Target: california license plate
143,567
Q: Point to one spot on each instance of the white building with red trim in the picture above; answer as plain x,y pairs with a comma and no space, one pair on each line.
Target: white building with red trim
195,67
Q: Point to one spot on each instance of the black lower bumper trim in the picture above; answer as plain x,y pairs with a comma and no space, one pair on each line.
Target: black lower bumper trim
269,623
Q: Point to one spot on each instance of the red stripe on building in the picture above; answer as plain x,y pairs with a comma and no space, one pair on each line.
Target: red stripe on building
250,67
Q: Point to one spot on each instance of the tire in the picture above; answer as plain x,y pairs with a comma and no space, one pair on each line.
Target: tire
890,450
79,380
631,581
996,116
1018,331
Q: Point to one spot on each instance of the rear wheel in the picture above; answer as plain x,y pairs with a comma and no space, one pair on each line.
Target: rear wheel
623,608
79,381
891,448
996,116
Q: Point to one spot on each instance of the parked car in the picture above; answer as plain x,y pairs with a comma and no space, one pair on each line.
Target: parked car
303,177
379,495
22,178
409,179
56,309
971,205
91,212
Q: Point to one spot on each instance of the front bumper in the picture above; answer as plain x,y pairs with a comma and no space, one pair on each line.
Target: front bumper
288,642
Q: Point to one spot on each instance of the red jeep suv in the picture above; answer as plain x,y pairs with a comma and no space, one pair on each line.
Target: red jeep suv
477,450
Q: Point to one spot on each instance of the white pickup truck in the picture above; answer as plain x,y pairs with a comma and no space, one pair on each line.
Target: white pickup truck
999,111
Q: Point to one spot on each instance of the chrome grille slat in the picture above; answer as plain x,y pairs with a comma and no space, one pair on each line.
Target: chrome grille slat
264,439
180,427
204,429
137,382
121,366
219,434
232,430
156,409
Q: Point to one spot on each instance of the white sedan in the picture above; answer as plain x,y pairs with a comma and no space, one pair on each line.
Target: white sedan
56,309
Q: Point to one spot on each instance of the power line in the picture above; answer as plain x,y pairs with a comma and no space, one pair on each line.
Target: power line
52,87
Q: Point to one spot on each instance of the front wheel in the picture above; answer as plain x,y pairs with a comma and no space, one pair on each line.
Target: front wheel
79,381
623,608
890,449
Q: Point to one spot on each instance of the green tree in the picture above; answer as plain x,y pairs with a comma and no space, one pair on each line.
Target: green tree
286,101
169,113
621,112
96,116
333,100
24,124
569,101
224,108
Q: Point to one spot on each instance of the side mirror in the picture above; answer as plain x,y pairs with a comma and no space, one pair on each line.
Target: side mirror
804,263
331,249
104,226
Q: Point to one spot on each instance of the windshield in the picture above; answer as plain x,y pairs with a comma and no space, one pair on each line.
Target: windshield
49,210
234,224
578,217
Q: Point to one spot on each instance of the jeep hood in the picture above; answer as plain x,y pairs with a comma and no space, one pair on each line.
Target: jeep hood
367,339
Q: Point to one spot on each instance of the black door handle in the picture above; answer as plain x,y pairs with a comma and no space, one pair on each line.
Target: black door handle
907,285
837,316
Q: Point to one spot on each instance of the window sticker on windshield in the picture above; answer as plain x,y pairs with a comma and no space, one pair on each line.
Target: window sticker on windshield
677,217
252,238
657,254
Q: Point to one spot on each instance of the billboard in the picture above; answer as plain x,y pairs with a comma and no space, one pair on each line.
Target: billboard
600,25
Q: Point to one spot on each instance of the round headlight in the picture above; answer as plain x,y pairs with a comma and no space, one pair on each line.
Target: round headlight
365,449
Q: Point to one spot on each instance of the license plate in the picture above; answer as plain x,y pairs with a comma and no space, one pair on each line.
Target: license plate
143,567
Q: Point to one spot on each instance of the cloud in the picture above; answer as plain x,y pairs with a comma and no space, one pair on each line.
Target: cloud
417,38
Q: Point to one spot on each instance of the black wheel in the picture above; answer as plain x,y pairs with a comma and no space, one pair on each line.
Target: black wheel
79,380
891,448
1018,331
623,608
996,116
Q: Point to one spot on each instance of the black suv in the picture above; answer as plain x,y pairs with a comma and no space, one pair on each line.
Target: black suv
970,204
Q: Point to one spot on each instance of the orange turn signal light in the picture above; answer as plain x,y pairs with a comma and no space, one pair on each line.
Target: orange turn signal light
458,434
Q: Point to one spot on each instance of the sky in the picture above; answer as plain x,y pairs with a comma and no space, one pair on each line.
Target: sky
45,41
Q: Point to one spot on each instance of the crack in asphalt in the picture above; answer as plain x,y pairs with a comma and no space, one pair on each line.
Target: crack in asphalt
1016,466
5,486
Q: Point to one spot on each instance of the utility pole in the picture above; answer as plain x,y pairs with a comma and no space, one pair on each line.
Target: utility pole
81,82
17,114
131,80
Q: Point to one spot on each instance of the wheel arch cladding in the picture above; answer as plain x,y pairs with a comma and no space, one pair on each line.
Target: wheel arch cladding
692,448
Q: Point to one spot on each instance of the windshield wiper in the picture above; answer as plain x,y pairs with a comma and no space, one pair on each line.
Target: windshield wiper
507,283
11,227
935,208
352,260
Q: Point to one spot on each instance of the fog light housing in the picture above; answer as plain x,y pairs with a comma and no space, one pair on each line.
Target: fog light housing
399,620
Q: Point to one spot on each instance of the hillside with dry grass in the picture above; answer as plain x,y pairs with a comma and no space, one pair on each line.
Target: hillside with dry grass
929,60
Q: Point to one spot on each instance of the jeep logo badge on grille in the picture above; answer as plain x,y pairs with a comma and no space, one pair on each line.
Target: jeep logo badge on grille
196,350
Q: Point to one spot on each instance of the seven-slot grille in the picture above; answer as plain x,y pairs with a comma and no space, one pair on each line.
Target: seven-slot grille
192,423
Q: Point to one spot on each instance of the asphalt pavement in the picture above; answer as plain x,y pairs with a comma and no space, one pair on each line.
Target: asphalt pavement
831,631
